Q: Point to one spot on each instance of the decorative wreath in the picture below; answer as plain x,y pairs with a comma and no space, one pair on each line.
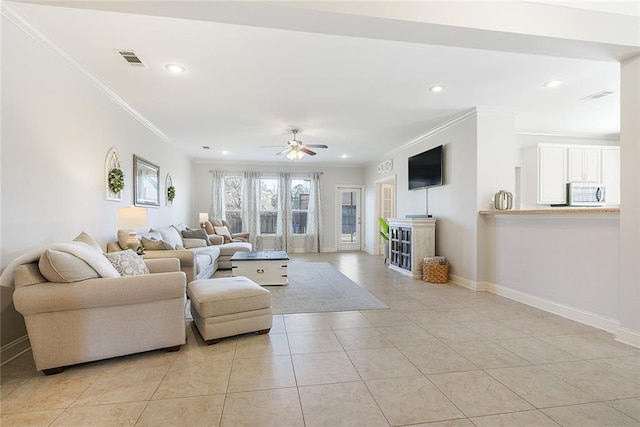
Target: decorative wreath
171,193
116,180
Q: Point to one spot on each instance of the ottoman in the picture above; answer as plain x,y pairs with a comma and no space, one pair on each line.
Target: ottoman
229,306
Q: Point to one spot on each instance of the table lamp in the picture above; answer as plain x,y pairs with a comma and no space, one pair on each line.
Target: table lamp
203,217
131,219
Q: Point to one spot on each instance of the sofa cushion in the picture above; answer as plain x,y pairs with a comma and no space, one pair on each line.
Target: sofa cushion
229,249
208,227
203,261
171,235
86,238
194,243
224,232
156,244
27,274
127,263
63,267
199,233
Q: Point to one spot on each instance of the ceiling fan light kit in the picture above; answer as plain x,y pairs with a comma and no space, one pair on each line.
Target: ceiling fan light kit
296,150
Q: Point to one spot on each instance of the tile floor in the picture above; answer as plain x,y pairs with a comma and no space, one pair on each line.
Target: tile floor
440,356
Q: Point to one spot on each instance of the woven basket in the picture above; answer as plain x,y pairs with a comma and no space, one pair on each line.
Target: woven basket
435,273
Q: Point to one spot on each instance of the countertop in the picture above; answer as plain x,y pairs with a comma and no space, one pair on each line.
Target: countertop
552,211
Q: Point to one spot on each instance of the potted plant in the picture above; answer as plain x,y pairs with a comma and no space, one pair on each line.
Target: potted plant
384,233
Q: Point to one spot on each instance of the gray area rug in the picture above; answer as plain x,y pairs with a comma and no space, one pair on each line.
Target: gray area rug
318,287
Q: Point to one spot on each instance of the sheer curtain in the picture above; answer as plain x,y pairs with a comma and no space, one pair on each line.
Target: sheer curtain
284,229
251,207
313,238
217,195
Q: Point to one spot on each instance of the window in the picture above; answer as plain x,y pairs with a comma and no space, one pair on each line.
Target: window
233,202
268,205
300,189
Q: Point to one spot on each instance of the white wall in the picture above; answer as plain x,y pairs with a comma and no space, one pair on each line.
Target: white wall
453,204
330,179
57,128
567,264
630,203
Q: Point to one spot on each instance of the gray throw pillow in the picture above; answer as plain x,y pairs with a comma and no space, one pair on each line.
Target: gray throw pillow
196,234
127,263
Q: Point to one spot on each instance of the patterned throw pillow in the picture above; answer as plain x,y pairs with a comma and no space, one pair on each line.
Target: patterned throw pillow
127,263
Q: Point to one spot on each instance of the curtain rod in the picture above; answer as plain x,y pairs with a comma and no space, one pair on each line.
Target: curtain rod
321,173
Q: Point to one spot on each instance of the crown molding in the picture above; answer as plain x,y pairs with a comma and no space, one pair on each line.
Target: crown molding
609,136
10,12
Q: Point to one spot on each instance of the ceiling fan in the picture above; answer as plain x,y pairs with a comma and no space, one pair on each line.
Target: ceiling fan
295,149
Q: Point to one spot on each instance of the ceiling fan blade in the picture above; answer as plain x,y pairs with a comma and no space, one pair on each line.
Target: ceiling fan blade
316,145
286,150
307,151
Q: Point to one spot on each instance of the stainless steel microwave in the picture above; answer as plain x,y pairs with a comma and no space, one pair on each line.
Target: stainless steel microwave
579,194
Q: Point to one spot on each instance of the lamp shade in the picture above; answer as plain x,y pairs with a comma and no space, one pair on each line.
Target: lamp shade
203,217
132,218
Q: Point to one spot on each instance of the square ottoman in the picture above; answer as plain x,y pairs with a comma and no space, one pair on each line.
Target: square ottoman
229,306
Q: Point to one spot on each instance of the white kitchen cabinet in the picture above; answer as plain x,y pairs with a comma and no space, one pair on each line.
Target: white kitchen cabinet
552,174
611,174
584,165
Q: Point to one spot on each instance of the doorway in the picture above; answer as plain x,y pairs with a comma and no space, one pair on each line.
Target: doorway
349,202
385,208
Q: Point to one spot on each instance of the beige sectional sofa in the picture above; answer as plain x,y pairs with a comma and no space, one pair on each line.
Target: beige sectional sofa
199,257
77,309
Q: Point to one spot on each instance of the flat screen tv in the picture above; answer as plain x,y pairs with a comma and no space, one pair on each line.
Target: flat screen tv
425,169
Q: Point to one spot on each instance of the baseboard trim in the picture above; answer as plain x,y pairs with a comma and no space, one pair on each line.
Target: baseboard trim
583,316
628,336
467,283
15,348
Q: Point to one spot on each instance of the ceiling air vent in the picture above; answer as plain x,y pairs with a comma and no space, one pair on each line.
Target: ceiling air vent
597,95
131,57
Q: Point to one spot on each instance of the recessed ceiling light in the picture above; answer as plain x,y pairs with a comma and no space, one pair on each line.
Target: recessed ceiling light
553,83
224,152
344,156
436,88
175,68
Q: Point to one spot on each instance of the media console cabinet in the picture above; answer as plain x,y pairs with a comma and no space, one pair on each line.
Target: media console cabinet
410,241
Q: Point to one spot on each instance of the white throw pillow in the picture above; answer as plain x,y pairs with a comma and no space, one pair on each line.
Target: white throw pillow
127,263
224,232
171,235
63,267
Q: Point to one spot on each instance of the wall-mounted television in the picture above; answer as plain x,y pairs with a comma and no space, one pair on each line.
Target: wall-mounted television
425,169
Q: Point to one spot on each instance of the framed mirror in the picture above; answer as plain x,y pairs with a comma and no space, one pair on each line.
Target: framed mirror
146,188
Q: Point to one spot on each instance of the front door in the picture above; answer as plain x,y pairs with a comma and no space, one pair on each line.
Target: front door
349,203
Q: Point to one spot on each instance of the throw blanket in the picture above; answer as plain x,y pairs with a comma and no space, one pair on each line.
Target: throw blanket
91,256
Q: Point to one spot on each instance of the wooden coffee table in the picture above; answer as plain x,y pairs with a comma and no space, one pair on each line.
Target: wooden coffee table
266,268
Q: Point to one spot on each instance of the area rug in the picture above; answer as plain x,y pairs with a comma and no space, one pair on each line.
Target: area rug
318,287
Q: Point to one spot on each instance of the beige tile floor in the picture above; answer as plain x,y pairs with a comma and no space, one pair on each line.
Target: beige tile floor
441,355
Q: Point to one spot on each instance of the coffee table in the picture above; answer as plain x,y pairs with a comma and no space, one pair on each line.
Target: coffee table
266,268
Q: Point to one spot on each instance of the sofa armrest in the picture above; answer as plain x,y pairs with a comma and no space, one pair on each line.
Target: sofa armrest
103,292
162,265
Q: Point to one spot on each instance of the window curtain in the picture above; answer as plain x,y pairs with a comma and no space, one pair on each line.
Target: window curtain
284,229
313,238
251,207
217,195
